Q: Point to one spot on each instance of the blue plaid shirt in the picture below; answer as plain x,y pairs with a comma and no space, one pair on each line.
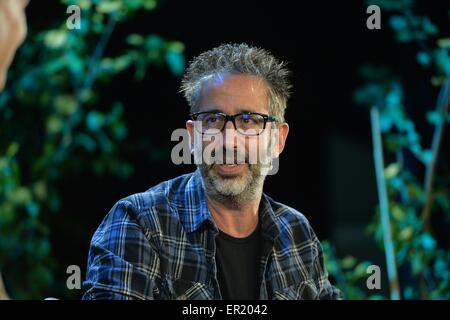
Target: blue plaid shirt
160,244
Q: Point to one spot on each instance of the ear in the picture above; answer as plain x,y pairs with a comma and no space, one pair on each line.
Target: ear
190,129
281,136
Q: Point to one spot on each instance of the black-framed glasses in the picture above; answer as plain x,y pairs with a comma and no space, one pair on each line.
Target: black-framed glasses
246,123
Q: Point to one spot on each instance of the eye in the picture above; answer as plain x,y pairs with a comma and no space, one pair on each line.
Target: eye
247,118
211,119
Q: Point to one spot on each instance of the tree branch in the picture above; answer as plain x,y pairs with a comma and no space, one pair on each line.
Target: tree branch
430,169
87,84
384,204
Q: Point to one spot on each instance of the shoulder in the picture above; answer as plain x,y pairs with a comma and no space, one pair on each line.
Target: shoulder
144,209
159,195
291,220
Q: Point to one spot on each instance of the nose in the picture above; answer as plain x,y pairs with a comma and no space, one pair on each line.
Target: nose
230,136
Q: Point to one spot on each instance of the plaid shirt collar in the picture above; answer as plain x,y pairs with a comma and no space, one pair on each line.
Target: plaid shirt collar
195,198
192,205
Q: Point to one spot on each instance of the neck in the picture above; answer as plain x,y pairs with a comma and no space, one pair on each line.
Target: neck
236,221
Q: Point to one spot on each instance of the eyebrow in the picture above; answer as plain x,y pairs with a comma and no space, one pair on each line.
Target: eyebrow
240,110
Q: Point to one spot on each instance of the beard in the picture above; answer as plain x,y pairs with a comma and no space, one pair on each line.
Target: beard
234,190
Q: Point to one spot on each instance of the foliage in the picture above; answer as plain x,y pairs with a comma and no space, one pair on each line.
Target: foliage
51,124
349,274
423,262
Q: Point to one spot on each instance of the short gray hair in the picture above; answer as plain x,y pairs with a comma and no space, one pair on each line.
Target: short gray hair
239,59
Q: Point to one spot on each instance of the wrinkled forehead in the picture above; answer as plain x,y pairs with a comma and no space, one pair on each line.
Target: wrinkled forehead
232,92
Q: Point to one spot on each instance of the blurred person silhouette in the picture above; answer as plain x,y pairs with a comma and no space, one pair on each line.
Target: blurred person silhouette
13,29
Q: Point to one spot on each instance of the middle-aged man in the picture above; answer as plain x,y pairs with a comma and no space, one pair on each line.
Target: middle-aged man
213,233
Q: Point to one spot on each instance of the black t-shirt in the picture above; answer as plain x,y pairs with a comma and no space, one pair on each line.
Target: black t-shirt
238,265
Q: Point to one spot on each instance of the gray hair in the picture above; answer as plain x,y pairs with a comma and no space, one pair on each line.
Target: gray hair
239,59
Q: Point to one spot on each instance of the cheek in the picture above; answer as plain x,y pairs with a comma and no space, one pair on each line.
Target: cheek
212,142
258,144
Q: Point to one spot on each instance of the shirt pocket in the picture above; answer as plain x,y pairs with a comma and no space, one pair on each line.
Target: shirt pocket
182,289
305,290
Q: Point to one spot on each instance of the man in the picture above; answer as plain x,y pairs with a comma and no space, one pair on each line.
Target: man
13,30
214,234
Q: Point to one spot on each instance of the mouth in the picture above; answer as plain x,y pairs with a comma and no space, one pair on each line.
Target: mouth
230,169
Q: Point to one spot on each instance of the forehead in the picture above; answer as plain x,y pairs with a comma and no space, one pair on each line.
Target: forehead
234,93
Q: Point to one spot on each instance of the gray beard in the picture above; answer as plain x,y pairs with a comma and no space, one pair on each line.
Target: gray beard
233,192
236,192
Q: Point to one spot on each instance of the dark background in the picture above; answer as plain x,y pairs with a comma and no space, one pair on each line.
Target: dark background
326,170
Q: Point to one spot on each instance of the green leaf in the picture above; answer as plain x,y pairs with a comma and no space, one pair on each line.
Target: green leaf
427,242
444,42
86,142
423,58
83,4
150,4
392,170
443,60
370,95
55,39
348,262
175,46
433,117
416,263
392,5
20,196
54,125
429,27
119,131
175,60
154,42
40,190
65,104
408,293
398,23
135,39
406,234
361,270
427,156
74,63
32,208
398,213
12,150
95,120
109,6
